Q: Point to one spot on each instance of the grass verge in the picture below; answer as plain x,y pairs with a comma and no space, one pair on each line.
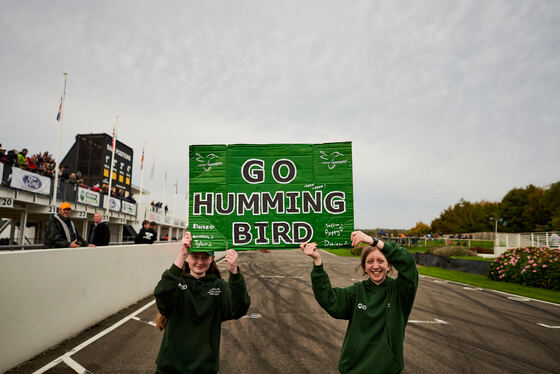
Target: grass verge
475,280
484,282
341,252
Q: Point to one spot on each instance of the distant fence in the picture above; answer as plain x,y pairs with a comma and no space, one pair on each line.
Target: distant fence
483,245
506,241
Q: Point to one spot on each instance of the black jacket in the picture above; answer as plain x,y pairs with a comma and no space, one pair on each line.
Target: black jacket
101,235
55,235
145,236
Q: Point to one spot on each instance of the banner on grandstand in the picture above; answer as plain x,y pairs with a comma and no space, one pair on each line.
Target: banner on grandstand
28,181
128,208
114,204
247,196
88,197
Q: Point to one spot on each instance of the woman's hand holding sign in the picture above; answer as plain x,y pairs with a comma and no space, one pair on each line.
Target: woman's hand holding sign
231,259
311,250
182,255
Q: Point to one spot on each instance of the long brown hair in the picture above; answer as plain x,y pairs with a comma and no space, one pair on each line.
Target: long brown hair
365,252
161,320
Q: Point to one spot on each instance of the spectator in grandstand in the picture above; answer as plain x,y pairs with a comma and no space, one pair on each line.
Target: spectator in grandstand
146,234
193,301
50,168
32,164
22,159
377,308
153,227
79,179
11,157
61,232
72,178
2,153
96,187
64,173
99,234
128,197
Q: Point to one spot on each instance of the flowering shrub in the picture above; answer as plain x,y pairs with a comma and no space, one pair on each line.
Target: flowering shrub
537,267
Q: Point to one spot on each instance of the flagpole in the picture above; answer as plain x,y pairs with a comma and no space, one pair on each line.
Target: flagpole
175,198
112,161
152,173
164,185
57,161
141,183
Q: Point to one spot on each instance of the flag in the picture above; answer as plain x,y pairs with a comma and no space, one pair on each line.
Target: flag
175,186
142,159
114,134
153,165
59,115
165,179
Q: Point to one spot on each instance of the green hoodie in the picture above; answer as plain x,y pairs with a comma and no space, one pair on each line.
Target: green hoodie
195,309
377,315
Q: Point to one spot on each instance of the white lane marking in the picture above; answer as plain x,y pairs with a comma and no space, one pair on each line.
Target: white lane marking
547,326
151,323
438,321
79,347
440,281
472,288
252,316
296,277
75,366
332,254
357,280
519,298
500,292
530,298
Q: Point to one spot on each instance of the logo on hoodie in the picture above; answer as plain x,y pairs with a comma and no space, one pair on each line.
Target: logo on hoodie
214,291
362,306
183,286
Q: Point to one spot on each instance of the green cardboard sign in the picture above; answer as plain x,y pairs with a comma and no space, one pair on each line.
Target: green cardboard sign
270,196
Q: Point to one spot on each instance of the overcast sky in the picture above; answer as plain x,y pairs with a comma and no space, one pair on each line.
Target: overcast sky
442,100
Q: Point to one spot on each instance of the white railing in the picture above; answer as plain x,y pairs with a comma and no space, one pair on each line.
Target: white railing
506,241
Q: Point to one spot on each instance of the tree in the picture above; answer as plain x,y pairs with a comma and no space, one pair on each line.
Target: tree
551,201
420,229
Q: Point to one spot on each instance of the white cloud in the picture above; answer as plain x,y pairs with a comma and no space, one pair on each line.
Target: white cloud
442,100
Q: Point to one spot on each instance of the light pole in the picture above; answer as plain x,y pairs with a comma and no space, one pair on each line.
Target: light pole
496,227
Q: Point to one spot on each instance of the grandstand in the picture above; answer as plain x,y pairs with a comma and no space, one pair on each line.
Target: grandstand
27,197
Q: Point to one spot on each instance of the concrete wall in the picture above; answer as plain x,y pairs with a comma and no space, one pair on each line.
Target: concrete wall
50,295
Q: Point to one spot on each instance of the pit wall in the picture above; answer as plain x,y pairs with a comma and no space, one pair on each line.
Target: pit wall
48,296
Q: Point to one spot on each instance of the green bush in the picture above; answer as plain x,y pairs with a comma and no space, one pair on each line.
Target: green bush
537,267
449,251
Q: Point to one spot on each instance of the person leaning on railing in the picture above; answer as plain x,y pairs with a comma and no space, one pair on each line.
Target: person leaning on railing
61,232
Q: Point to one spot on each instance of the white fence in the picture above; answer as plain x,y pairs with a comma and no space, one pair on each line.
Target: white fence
534,239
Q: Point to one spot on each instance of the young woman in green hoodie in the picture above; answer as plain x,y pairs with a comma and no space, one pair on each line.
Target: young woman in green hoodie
377,309
193,301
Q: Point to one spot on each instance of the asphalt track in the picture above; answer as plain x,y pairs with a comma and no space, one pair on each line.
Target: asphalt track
453,328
